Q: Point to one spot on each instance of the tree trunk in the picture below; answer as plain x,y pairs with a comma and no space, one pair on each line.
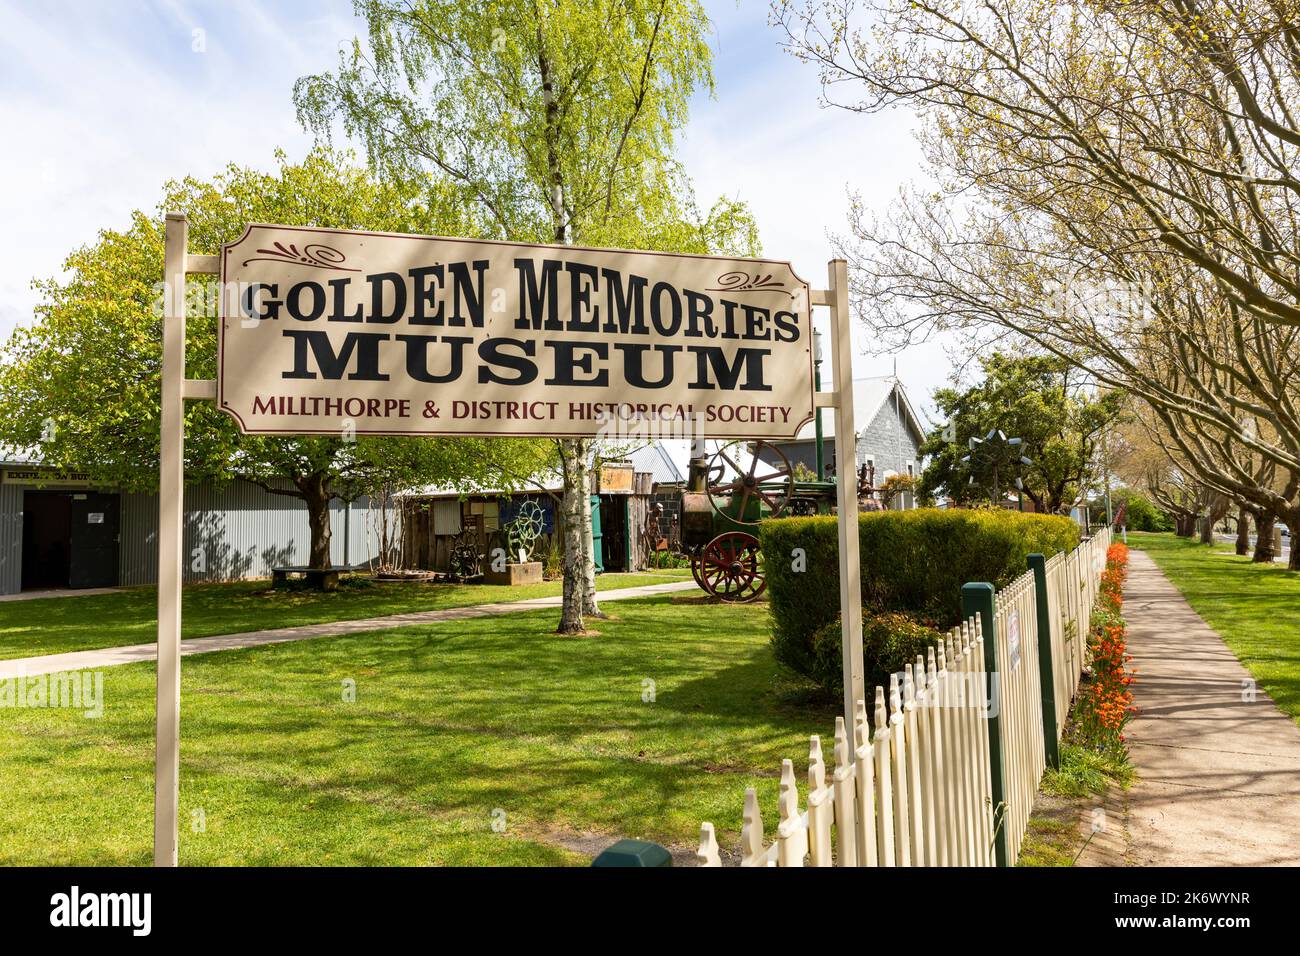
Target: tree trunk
316,495
574,503
1184,525
1292,520
1207,529
573,451
1243,531
1264,538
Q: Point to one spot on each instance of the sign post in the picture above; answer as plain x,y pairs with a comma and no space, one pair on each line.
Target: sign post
342,332
176,389
846,488
171,482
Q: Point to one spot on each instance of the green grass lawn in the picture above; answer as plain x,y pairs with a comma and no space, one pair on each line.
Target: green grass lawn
1049,841
453,726
57,625
1255,608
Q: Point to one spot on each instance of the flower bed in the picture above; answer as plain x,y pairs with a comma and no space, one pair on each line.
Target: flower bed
1105,703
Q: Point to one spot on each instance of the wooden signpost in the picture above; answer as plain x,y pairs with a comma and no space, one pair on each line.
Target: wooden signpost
344,332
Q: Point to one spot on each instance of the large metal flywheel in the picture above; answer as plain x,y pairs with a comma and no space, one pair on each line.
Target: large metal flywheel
733,489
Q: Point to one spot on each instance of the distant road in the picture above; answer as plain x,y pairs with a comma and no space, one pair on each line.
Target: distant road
1231,539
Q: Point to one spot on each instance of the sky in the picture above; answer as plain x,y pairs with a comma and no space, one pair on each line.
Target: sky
105,100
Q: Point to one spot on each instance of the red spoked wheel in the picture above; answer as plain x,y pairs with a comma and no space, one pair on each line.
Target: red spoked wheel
697,559
731,568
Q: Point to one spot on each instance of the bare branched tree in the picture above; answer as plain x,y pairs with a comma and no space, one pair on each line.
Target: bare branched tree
1116,185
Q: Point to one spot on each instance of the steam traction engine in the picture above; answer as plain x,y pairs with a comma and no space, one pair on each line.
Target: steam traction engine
723,505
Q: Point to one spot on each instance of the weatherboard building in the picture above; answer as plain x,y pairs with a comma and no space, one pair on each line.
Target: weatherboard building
63,530
889,434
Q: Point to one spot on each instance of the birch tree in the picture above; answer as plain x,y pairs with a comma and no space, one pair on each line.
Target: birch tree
556,120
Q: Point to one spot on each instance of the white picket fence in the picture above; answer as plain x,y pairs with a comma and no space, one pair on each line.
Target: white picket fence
1019,709
1073,581
918,784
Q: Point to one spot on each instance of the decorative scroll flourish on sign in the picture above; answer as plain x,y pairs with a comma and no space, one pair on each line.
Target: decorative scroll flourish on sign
314,256
741,282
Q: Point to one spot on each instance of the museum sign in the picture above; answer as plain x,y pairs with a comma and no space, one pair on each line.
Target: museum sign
324,330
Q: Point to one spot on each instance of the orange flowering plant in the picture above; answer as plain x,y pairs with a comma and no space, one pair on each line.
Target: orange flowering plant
1106,702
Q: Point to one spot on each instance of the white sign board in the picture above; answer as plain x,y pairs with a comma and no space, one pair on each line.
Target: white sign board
326,330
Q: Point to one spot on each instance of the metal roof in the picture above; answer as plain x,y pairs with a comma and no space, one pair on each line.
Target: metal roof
869,397
661,460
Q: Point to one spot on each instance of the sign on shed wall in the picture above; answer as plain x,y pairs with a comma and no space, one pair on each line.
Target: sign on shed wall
324,330
45,478
616,479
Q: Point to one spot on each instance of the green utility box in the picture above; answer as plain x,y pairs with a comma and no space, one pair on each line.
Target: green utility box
634,853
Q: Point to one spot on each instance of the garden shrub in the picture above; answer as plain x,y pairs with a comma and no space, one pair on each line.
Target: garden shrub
889,641
913,562
553,561
1140,513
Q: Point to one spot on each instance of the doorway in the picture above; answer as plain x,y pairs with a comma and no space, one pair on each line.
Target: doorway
613,524
70,540
47,540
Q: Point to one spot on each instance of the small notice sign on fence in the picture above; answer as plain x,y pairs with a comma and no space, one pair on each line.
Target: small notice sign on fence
1013,638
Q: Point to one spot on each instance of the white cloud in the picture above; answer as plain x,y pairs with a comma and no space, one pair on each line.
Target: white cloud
104,102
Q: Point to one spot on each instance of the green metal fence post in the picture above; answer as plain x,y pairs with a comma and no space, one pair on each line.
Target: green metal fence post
1046,673
977,599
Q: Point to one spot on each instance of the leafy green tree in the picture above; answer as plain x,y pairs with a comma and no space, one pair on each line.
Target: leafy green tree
554,122
1140,514
82,384
1044,401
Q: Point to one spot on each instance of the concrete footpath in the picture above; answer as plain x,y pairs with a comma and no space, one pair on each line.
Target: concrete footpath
1218,763
133,654
56,593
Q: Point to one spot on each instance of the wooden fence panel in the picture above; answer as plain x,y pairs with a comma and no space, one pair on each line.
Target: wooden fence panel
912,785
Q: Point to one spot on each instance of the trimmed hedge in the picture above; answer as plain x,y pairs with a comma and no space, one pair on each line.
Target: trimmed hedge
889,642
914,562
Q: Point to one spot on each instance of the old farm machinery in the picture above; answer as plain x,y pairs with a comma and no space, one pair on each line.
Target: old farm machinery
728,494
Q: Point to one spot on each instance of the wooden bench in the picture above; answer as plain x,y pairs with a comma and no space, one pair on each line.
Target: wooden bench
322,579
